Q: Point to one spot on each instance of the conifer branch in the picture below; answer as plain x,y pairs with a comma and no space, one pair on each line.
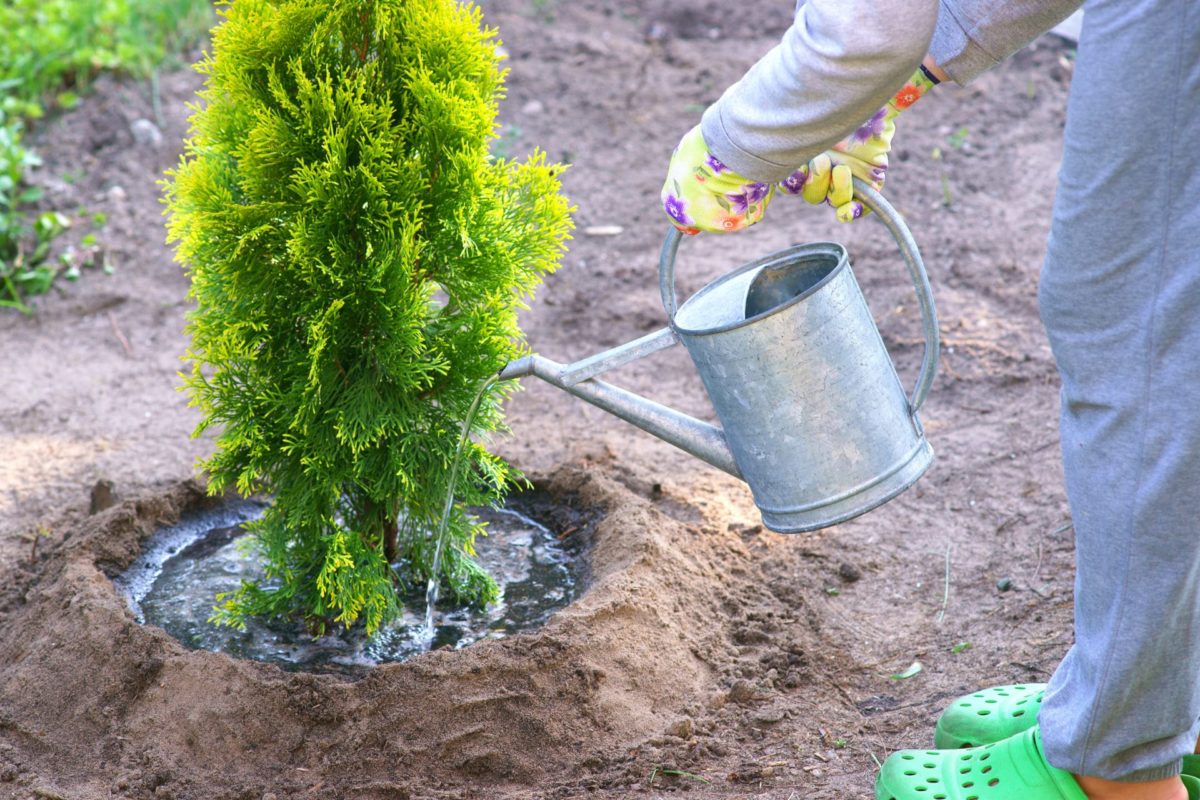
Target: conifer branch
325,184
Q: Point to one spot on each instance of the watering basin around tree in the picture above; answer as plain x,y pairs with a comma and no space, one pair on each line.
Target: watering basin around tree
174,582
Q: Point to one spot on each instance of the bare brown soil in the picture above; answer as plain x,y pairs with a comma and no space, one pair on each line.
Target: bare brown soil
707,656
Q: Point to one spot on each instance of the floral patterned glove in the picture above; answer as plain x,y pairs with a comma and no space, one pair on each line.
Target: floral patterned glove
702,194
864,153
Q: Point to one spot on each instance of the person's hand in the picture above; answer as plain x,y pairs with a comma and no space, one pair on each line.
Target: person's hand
862,154
702,194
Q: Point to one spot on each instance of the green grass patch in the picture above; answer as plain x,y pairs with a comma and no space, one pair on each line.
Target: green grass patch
50,51
671,772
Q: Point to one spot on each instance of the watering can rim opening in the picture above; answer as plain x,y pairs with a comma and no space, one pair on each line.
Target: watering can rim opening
817,248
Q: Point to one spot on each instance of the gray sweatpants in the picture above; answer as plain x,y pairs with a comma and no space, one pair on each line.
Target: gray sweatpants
1120,298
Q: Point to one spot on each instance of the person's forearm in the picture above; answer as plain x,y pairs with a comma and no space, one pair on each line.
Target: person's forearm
933,68
837,65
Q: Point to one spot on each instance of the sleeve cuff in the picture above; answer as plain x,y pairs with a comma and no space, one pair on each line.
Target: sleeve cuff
955,52
712,128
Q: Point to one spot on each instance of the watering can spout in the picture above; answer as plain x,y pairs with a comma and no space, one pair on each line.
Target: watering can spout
520,368
700,439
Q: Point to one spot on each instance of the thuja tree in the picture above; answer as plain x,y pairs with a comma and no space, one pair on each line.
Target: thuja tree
357,261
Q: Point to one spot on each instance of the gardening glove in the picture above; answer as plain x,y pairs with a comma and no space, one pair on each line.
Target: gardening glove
702,194
864,153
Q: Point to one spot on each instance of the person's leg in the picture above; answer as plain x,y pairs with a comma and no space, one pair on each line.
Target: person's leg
1164,789
1120,298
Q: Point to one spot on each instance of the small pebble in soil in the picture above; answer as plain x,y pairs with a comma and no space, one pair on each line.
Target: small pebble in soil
146,133
750,773
656,32
1004,584
603,230
848,572
769,717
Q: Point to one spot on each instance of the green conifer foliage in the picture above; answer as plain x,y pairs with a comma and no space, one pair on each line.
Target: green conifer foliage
358,259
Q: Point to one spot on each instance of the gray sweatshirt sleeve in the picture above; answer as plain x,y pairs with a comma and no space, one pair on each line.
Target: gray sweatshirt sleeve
973,36
841,60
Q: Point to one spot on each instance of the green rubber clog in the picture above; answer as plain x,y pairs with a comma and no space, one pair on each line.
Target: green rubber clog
1012,769
989,715
992,715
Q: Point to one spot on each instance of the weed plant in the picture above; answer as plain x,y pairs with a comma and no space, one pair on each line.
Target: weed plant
358,258
49,52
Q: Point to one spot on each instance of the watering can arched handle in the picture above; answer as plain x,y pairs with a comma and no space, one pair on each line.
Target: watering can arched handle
886,214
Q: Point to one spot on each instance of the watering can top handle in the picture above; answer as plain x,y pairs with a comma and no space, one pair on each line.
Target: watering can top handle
886,214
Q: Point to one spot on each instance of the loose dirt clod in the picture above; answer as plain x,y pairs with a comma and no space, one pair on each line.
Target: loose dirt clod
104,496
743,692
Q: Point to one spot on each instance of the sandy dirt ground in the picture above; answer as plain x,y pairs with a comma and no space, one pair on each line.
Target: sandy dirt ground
708,657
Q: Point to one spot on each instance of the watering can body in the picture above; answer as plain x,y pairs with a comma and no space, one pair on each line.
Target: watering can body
813,415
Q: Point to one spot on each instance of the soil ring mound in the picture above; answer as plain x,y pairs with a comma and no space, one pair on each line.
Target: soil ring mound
133,710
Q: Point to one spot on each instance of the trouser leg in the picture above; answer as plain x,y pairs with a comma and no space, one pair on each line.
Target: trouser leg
1120,298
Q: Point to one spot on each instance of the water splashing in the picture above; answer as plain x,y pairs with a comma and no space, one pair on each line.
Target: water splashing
183,567
433,588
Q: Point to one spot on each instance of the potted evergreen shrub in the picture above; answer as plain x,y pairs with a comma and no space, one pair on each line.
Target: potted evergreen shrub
357,261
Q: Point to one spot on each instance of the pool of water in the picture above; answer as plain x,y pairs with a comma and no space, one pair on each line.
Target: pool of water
182,568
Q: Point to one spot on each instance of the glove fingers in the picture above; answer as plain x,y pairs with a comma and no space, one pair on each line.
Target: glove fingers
819,175
841,186
848,212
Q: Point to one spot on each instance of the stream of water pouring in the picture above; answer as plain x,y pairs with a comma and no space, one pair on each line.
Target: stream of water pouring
431,591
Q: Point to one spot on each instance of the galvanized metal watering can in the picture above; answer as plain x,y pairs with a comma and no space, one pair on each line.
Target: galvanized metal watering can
813,416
